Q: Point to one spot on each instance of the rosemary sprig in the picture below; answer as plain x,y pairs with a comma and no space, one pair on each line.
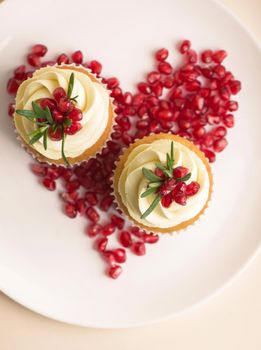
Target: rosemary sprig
70,86
63,153
153,205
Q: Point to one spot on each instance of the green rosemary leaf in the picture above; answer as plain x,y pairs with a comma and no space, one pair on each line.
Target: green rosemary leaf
155,184
74,98
184,178
45,139
48,115
35,137
172,154
68,122
150,175
151,207
70,86
169,163
165,171
40,113
148,192
26,113
63,154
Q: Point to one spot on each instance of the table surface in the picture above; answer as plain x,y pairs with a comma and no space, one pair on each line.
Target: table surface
230,320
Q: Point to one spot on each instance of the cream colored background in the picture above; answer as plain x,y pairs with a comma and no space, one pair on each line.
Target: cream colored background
229,321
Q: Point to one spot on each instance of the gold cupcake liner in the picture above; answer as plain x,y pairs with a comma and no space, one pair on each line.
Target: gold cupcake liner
189,223
83,157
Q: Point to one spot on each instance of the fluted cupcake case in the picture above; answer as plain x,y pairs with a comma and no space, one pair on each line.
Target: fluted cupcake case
94,149
120,166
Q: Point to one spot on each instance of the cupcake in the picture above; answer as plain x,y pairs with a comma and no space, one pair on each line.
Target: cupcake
163,183
63,114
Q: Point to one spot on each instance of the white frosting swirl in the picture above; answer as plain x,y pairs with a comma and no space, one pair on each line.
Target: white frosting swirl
132,184
93,100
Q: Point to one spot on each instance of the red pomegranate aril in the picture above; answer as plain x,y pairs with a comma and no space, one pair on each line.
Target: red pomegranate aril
234,86
91,198
192,188
92,214
101,244
20,72
136,231
185,46
119,255
109,257
69,197
206,56
75,114
57,116
157,89
142,124
124,123
39,170
112,83
219,56
220,145
114,147
150,238
224,93
95,67
166,200
117,221
34,60
232,106
108,229
199,132
64,105
12,86
161,55
219,132
11,109
127,98
208,140
39,50
153,77
106,202
49,184
48,102
70,210
210,155
114,271
229,121
73,129
138,248
81,205
168,82
55,135
53,172
164,68
193,86
125,239
63,59
184,124
213,119
165,114
180,172
159,173
59,93
77,57
72,185
144,88
47,63
180,198
93,230
192,56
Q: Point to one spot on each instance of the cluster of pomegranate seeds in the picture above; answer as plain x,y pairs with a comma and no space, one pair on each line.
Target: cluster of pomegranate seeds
193,100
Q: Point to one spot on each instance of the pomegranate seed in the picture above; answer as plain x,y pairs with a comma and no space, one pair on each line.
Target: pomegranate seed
72,185
117,221
180,172
144,88
48,102
220,145
34,60
229,121
39,50
49,184
73,129
114,271
125,239
164,68
219,56
234,86
64,105
77,57
136,232
112,83
206,56
138,248
232,106
80,206
75,115
168,82
119,255
108,229
185,46
161,55
210,155
124,123
109,257
167,187
192,56
91,198
208,140
192,188
166,201
159,173
92,214
165,114
63,59
180,198
70,210
38,169
213,119
106,202
55,135
101,244
57,116
11,109
157,89
69,197
93,230
95,67
59,93
127,98
47,63
142,124
153,77
20,72
150,238
199,132
219,132
12,86
53,173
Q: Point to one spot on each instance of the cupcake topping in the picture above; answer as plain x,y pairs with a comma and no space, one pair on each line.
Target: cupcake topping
168,183
55,117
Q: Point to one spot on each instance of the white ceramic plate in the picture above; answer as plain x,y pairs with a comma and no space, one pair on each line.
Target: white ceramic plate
46,262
